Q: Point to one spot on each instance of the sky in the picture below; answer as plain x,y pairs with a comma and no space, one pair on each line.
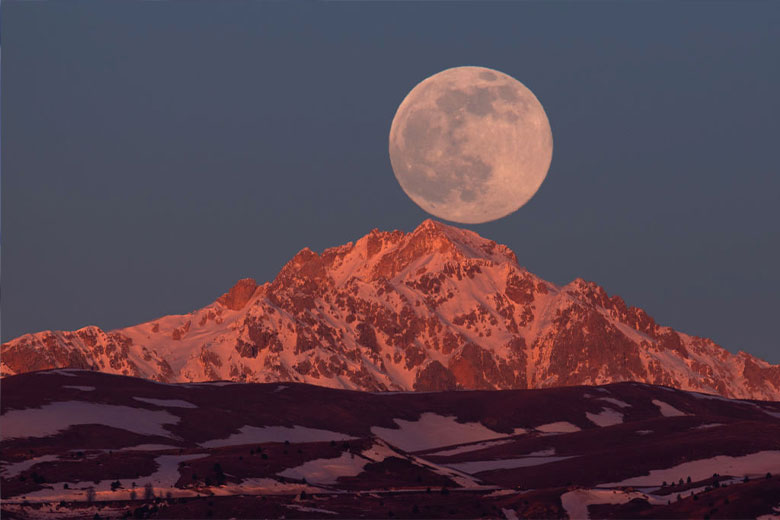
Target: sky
153,153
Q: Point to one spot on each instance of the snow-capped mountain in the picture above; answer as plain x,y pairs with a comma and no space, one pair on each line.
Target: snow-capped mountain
438,308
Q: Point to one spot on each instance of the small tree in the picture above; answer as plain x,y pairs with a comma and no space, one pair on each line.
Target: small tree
689,479
133,494
148,491
90,494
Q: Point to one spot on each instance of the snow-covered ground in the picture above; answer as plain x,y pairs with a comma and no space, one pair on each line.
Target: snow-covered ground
607,417
13,469
255,435
576,502
327,471
150,447
616,402
432,431
558,427
469,447
163,481
478,466
306,509
667,410
61,415
754,464
172,403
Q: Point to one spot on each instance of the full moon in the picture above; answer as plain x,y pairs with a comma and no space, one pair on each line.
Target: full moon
470,144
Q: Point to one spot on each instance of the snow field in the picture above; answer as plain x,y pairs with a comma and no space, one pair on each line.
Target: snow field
52,418
433,431
607,417
172,403
558,427
754,464
256,435
667,410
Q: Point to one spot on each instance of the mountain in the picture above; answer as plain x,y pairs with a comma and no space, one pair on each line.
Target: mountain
435,309
84,444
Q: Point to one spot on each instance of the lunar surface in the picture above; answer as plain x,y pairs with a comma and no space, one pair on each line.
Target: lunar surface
470,144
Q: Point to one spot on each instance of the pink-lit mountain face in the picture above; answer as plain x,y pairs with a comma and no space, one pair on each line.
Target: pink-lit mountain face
435,309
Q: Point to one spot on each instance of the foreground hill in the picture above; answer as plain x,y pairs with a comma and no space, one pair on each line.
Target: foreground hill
436,309
76,443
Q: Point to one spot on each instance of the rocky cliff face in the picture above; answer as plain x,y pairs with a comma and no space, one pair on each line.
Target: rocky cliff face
439,308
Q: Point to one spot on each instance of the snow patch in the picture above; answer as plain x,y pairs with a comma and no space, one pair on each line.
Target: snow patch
255,435
163,480
9,470
558,427
705,426
470,447
150,447
607,417
78,387
432,431
576,502
667,410
616,402
757,464
61,415
326,471
172,403
478,466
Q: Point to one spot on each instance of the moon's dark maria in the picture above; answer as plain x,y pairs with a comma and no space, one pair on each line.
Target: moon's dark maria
470,144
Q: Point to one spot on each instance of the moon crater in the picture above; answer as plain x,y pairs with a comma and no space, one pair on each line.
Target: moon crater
470,144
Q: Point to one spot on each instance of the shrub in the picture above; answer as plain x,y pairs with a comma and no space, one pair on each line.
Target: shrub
90,494
148,491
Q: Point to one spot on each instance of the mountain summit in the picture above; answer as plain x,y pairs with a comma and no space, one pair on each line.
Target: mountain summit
438,308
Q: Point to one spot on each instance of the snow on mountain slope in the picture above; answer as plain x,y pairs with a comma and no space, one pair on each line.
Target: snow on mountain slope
438,308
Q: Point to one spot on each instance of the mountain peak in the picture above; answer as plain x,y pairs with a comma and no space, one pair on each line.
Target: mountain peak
437,307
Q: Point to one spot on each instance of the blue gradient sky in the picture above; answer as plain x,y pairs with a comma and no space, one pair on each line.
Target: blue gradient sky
155,152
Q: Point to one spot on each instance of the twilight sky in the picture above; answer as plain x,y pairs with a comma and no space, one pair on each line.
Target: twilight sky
155,152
